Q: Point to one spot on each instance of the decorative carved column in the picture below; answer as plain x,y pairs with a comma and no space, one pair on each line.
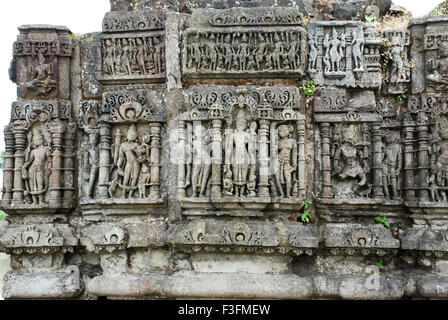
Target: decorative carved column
19,130
181,160
57,130
104,172
8,170
69,169
154,190
327,191
217,158
422,156
301,172
408,143
377,161
263,158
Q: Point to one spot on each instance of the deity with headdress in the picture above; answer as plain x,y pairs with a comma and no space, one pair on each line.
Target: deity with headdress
438,78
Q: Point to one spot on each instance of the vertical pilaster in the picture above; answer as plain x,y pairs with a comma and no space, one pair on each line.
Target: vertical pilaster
69,170
104,172
181,160
377,161
19,130
217,158
8,168
301,172
422,156
154,190
327,191
263,159
57,130
408,143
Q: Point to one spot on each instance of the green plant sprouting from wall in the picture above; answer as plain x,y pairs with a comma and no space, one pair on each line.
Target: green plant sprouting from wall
306,215
401,97
380,265
370,19
308,87
3,215
383,221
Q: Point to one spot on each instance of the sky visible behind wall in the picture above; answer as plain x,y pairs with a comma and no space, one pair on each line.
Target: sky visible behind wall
80,16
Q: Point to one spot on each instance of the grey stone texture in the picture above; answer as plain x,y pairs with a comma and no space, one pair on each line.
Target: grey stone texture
229,149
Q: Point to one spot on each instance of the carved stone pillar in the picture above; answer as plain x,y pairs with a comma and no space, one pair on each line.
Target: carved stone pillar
8,170
327,191
263,158
57,130
154,190
217,158
377,161
19,130
301,172
104,146
182,132
69,148
408,143
422,156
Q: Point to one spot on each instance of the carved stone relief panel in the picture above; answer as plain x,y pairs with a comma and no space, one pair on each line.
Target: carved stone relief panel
430,54
132,57
260,42
122,141
351,147
398,66
241,146
344,53
40,152
41,62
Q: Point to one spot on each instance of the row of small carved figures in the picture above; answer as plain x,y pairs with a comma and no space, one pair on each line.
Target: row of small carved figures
270,51
133,55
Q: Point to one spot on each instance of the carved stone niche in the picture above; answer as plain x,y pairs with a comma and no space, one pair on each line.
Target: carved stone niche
121,162
357,239
252,237
245,43
427,119
398,67
241,150
344,53
39,158
349,157
41,64
429,53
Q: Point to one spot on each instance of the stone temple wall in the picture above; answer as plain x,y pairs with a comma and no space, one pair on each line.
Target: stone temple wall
180,154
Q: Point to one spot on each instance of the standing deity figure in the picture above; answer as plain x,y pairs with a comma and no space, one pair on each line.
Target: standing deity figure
243,52
287,160
392,162
334,51
348,159
128,166
277,53
37,167
91,160
159,53
438,76
357,50
201,163
312,42
141,54
211,52
109,52
228,53
292,52
40,75
439,159
395,52
126,56
260,51
239,150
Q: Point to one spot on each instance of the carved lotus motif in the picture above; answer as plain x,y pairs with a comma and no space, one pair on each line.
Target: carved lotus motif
361,237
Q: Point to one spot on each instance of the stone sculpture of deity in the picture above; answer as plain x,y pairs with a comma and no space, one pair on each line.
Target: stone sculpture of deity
357,50
438,76
287,160
239,151
439,161
392,162
312,58
40,75
201,163
36,169
395,52
347,159
334,52
91,158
